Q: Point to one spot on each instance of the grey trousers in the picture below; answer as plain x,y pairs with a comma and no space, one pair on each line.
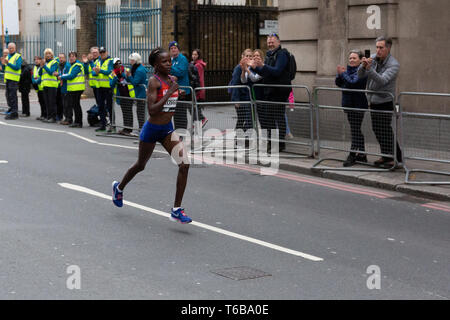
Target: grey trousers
11,96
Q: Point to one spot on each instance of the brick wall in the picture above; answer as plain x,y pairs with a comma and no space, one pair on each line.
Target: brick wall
87,34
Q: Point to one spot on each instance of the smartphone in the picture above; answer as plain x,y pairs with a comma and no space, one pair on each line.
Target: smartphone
367,54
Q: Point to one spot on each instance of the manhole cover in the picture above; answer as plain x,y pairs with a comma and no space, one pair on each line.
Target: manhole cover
241,273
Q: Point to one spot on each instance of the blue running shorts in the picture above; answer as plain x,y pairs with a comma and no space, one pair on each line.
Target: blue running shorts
152,133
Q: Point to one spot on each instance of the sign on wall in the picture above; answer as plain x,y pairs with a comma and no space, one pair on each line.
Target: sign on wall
270,26
11,16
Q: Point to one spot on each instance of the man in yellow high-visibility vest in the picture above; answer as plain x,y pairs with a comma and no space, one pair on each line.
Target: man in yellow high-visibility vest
103,69
11,66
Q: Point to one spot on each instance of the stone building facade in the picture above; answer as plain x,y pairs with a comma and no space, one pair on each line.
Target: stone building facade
321,32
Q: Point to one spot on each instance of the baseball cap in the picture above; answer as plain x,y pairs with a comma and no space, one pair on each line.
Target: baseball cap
116,60
102,49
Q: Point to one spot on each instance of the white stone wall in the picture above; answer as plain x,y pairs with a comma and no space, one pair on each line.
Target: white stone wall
32,10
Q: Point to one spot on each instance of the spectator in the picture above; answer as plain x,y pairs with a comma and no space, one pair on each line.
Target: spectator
241,77
25,87
274,70
122,88
75,78
197,61
347,78
382,70
90,62
103,70
67,110
49,73
180,69
138,78
62,92
11,66
37,84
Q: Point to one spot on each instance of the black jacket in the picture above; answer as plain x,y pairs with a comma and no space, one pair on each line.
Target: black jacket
25,78
276,71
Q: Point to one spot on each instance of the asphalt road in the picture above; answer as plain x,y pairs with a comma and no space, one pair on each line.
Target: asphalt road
315,237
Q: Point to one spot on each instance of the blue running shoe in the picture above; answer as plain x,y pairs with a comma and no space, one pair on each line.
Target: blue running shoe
180,216
117,196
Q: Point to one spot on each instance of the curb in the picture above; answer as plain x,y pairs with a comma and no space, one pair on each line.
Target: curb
372,180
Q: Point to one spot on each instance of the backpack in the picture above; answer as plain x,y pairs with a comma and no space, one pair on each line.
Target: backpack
292,65
194,77
93,116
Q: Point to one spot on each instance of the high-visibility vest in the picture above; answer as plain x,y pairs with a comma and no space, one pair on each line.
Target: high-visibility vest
37,76
93,80
103,80
77,83
50,81
10,73
130,87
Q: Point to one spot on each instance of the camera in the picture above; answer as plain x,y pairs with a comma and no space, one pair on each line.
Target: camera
367,54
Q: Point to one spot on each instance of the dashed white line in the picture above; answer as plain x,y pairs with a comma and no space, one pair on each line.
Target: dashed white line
197,224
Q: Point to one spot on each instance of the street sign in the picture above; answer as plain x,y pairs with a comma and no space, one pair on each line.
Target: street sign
270,26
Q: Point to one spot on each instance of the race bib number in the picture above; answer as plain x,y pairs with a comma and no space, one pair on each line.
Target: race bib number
171,104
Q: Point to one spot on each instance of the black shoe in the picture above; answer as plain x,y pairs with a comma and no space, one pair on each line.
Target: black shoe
52,120
351,160
24,115
76,125
384,163
361,158
12,116
101,129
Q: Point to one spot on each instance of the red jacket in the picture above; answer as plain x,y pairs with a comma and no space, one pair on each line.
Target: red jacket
201,65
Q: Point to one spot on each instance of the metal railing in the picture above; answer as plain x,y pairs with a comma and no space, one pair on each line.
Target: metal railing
272,115
425,139
332,142
230,120
124,30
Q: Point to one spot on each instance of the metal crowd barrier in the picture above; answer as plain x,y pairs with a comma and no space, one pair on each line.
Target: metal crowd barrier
183,123
273,115
426,139
226,118
129,122
3,102
333,132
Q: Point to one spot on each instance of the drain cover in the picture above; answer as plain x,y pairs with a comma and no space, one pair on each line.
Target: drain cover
241,273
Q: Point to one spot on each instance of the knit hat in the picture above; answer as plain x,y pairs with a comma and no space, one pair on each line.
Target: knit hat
174,43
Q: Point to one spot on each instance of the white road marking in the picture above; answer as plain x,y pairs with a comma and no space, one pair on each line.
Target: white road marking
197,224
3,161
76,136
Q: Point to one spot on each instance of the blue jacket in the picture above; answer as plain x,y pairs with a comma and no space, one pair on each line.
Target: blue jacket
180,69
350,80
242,93
64,80
69,76
110,67
17,66
139,81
